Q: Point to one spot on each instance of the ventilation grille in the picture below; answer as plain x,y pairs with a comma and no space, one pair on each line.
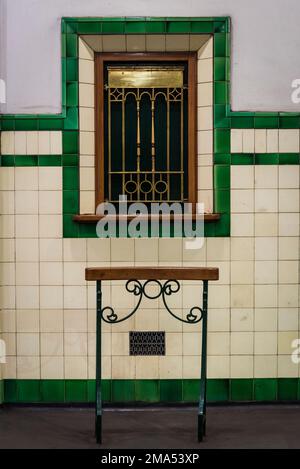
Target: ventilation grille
147,343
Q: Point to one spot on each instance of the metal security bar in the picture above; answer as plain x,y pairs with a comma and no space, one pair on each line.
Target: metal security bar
143,175
170,286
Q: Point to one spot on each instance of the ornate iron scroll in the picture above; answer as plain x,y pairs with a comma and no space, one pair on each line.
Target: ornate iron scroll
139,290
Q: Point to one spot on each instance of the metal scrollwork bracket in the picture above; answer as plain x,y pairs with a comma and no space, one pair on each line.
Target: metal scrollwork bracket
165,290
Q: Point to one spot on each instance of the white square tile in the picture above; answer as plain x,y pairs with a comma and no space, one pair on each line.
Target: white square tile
266,200
26,179
55,142
32,145
27,226
26,202
266,176
50,226
27,273
288,141
51,297
75,249
7,178
51,273
20,143
7,143
288,177
44,142
50,202
50,178
51,249
242,177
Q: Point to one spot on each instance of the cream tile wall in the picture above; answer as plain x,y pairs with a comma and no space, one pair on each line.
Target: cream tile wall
48,310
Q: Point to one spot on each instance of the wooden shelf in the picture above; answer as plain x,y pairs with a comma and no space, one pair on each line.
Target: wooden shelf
91,218
152,273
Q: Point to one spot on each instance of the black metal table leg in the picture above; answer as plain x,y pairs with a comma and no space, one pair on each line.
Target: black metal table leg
202,397
98,423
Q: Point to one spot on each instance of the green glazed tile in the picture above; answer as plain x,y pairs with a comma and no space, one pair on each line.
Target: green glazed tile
71,27
222,158
222,176
49,160
222,141
287,389
178,27
7,124
191,389
220,118
71,69
222,226
220,27
171,390
7,160
89,27
70,142
50,124
222,201
242,158
63,42
71,120
28,390
202,27
76,390
52,390
265,389
70,178
26,160
10,391
209,230
266,122
220,69
87,230
71,45
242,122
217,390
71,202
289,122
135,27
220,45
288,158
155,27
241,389
266,158
70,160
105,388
123,390
147,390
113,27
72,94
70,228
26,124
220,92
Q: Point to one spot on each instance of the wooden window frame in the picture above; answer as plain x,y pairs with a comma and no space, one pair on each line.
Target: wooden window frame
100,60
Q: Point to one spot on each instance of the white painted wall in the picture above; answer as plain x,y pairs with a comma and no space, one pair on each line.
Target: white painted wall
265,44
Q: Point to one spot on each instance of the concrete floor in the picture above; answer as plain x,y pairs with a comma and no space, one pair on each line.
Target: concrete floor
253,426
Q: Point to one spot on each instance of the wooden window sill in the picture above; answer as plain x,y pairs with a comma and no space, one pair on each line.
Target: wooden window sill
91,218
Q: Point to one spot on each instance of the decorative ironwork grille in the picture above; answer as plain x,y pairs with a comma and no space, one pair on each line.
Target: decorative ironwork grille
147,343
146,130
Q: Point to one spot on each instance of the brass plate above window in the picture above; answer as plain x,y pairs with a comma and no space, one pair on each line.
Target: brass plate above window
145,77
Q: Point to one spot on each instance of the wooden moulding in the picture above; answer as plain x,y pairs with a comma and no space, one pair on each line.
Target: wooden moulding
91,218
152,273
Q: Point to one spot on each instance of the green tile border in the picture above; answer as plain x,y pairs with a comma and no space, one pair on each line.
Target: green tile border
224,118
70,391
